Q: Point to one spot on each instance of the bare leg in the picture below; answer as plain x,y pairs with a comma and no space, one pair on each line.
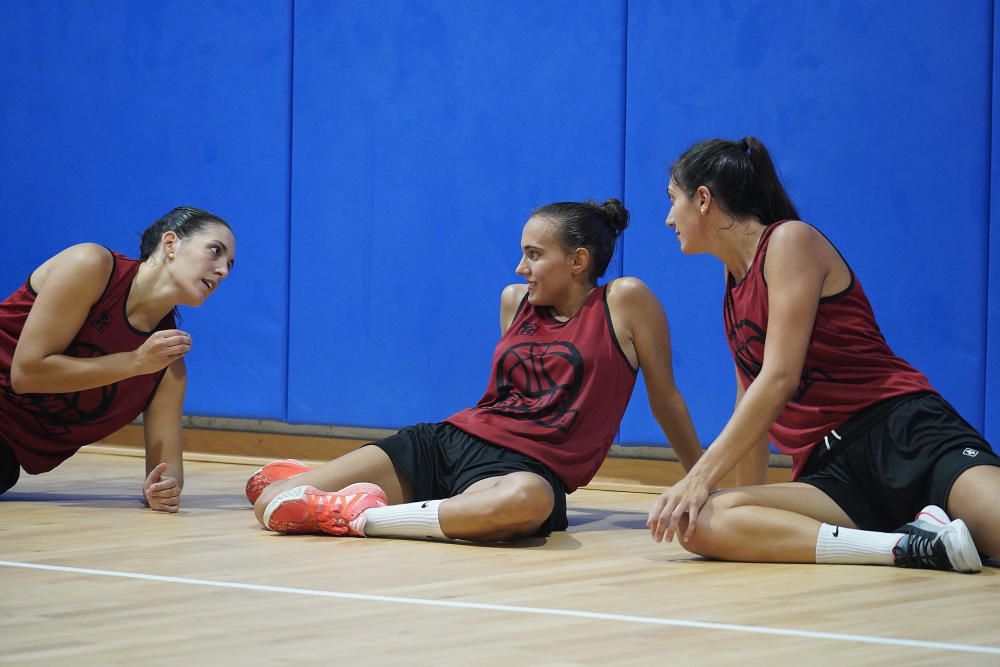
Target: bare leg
498,508
367,464
778,523
974,498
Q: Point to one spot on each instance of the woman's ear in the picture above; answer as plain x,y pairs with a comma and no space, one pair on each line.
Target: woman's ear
169,242
580,261
704,198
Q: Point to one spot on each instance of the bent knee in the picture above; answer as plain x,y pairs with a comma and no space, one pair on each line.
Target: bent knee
709,538
524,504
700,543
728,499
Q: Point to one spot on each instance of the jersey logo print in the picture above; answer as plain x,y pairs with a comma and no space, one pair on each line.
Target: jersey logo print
540,382
102,321
55,413
747,349
808,379
748,352
526,329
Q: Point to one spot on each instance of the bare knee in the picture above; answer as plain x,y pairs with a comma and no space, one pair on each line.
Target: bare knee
521,506
526,503
973,498
710,535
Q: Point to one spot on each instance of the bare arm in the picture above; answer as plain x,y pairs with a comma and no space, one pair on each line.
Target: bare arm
641,325
165,441
73,282
796,269
751,470
510,299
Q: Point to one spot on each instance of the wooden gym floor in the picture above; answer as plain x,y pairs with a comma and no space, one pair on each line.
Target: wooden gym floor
88,577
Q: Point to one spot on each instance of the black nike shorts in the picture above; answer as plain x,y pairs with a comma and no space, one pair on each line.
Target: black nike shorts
441,461
896,457
10,469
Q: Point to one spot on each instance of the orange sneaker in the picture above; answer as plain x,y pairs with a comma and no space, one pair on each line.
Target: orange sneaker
272,472
306,509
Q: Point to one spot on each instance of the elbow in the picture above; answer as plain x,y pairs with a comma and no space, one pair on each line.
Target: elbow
19,379
24,378
781,385
785,388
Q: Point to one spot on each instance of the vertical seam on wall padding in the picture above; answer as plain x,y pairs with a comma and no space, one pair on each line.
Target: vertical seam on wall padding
621,240
624,123
288,239
991,213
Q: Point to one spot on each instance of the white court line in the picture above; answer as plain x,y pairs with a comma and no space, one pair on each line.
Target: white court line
589,615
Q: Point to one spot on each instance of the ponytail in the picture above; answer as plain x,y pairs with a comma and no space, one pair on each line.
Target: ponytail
740,175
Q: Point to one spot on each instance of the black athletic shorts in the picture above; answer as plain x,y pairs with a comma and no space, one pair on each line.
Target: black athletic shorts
10,469
441,461
892,459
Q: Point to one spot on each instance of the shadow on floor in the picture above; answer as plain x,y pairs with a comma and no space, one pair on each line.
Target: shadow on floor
582,519
73,499
207,501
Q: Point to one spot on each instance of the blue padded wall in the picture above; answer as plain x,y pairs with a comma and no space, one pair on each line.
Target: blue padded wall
879,121
992,397
374,239
115,112
425,133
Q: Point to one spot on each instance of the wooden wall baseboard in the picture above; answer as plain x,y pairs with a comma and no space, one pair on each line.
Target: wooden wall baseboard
616,473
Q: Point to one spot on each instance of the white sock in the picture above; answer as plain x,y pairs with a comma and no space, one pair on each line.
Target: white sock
849,546
418,520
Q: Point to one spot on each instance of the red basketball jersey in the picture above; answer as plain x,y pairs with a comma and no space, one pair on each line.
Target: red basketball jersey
46,429
848,365
558,390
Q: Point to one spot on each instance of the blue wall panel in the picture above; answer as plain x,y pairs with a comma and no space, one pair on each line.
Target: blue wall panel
992,397
879,122
425,133
116,111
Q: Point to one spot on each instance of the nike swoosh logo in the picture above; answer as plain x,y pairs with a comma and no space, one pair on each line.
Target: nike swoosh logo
836,531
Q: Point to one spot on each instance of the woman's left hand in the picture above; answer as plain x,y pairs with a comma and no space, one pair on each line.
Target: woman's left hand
162,494
684,499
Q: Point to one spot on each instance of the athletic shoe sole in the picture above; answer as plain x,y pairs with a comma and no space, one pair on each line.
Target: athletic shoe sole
961,549
260,480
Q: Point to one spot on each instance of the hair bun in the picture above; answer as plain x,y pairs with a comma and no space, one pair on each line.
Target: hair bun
616,214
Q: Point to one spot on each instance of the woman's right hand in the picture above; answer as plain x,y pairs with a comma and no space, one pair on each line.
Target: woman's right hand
160,350
677,508
161,492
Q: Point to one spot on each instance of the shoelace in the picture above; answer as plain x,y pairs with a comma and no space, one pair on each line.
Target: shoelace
331,508
918,551
338,510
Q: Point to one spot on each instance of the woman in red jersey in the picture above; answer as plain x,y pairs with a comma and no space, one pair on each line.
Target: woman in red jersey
562,376
89,342
872,442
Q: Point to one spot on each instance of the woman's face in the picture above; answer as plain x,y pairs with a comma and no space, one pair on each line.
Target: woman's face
201,261
684,218
544,263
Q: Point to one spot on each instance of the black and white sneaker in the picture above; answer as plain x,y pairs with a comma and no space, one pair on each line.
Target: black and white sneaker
933,541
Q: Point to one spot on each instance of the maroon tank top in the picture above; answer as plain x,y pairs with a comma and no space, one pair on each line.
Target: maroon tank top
558,390
46,429
848,365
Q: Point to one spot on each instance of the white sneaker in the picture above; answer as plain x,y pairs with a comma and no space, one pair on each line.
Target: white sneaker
935,542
